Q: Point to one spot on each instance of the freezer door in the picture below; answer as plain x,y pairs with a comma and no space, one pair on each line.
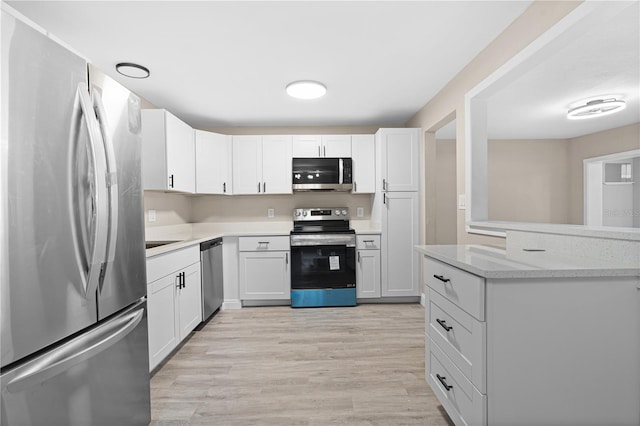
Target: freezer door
100,377
118,112
52,205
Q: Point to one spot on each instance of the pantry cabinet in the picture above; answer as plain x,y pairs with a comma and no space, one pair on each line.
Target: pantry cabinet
213,163
329,146
174,300
265,272
363,156
262,164
168,152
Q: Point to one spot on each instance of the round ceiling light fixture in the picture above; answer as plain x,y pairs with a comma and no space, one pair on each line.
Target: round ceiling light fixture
306,89
596,108
132,70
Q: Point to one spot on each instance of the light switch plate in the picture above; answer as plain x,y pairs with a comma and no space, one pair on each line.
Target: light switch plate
360,212
462,202
271,212
152,215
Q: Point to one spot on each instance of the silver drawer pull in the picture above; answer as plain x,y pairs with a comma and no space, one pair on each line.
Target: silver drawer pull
444,325
367,241
444,383
441,278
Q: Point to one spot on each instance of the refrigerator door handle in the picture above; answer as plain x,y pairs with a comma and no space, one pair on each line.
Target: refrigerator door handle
111,176
76,351
99,200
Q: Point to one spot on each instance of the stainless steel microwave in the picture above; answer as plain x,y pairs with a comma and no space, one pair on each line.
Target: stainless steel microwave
322,174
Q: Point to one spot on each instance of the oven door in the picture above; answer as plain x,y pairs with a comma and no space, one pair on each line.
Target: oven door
322,267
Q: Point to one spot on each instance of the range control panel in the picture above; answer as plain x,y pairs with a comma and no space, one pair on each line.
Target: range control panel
332,213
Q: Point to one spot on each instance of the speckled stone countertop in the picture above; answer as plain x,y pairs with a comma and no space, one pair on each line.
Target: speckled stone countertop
497,263
187,235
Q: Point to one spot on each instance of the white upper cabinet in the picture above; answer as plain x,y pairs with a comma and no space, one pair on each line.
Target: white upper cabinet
213,163
399,150
168,152
311,146
363,154
261,164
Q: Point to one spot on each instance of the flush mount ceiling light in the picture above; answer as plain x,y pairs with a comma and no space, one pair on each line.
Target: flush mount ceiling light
306,89
132,70
596,108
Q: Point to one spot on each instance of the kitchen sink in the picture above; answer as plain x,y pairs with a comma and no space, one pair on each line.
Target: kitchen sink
153,244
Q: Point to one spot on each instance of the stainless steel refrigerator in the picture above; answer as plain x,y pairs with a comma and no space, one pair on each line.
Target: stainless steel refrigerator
74,345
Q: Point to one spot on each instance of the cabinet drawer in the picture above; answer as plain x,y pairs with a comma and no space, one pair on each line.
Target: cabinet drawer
460,336
463,402
164,264
265,243
368,242
463,289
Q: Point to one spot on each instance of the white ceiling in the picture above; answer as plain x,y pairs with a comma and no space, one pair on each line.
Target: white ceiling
227,63
603,61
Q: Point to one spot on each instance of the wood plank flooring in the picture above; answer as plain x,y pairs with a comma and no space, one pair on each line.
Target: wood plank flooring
282,366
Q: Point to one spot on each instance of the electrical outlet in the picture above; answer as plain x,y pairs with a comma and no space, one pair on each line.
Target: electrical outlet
271,212
152,215
360,212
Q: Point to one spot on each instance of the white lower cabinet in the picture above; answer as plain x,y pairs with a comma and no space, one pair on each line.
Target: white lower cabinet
264,264
368,266
534,351
174,300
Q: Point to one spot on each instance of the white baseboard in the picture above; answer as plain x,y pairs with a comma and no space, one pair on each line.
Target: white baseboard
231,304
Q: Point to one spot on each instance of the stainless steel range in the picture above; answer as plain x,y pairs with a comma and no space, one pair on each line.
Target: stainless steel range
323,254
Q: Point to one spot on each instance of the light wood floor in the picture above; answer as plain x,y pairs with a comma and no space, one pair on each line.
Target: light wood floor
284,366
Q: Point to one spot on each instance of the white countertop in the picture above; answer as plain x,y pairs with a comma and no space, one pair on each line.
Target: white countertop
496,263
186,235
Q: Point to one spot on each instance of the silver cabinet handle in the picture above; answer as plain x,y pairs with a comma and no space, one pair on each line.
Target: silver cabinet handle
258,187
319,154
355,186
324,151
384,184
358,257
224,187
286,258
74,352
264,187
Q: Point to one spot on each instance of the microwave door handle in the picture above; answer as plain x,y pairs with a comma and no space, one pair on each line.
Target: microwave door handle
340,170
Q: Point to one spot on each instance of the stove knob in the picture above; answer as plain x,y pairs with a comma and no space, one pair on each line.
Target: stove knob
337,212
344,212
298,213
304,213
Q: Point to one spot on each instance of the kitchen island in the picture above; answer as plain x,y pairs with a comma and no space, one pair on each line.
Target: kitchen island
529,336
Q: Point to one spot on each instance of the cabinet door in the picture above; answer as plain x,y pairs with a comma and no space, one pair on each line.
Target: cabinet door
336,146
180,154
363,154
399,236
190,300
213,163
400,150
161,318
276,165
265,275
247,164
307,146
368,274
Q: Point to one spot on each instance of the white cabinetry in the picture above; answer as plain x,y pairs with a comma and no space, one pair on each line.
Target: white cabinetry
396,205
363,154
368,266
557,350
322,146
213,161
174,300
168,152
262,164
399,149
264,268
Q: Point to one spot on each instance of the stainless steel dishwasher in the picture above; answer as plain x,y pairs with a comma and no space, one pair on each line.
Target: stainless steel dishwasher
212,278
